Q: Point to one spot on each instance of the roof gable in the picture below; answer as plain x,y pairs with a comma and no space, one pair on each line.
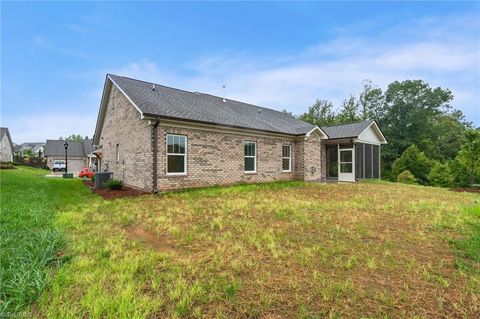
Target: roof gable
5,131
356,130
346,130
372,134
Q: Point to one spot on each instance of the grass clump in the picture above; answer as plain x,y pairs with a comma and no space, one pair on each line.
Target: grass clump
30,243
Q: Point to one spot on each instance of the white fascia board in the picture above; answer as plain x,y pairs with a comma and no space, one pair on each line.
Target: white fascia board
379,132
125,94
315,129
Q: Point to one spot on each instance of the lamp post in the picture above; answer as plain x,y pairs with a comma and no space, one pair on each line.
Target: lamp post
66,160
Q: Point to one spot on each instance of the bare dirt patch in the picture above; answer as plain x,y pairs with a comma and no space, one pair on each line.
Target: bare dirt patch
467,190
112,194
158,243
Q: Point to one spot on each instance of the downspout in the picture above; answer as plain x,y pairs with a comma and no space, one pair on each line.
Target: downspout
154,124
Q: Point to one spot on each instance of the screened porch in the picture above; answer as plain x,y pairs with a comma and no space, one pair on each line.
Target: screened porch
350,162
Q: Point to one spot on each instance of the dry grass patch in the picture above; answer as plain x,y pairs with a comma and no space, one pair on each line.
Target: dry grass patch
272,251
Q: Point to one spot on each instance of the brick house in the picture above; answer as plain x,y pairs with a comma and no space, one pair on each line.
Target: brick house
158,138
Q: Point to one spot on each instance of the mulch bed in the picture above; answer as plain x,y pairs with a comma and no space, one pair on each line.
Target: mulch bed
112,194
467,190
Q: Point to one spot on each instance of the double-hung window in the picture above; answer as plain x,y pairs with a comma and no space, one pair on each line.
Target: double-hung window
250,156
176,154
287,158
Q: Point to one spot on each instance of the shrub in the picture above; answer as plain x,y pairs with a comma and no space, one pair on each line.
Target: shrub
406,177
114,184
7,165
440,175
461,178
415,161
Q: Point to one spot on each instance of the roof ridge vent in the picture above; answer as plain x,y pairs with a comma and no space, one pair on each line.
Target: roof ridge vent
153,87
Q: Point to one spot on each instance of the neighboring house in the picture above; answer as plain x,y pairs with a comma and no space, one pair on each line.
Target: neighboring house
6,145
37,148
155,137
78,154
16,149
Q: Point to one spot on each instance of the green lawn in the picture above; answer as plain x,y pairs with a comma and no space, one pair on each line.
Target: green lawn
272,251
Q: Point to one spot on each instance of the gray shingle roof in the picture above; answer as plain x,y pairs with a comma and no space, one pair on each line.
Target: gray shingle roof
200,107
31,145
346,130
80,149
88,146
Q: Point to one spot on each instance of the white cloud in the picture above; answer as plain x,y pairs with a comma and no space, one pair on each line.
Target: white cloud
444,51
38,127
427,49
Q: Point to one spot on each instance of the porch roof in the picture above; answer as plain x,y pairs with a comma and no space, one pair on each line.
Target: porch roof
346,130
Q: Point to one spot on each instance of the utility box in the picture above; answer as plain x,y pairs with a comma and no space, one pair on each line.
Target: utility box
67,175
100,178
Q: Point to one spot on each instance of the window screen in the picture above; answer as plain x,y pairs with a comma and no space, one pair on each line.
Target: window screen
359,160
332,161
376,161
368,161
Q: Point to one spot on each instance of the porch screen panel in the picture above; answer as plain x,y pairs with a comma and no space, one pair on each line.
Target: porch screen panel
359,160
332,161
368,161
376,161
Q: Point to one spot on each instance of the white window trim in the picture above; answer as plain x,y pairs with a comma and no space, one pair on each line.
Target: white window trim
176,154
289,158
250,156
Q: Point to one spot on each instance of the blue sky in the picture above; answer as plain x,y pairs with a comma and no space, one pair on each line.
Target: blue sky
282,55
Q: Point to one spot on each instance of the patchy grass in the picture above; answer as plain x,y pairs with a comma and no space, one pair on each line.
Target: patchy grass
271,250
29,241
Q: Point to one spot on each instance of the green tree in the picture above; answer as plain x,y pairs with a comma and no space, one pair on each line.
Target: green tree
320,113
371,101
349,111
74,137
469,156
415,161
446,136
440,175
411,108
459,172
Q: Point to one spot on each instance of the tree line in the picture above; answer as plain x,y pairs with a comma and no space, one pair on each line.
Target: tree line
427,138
